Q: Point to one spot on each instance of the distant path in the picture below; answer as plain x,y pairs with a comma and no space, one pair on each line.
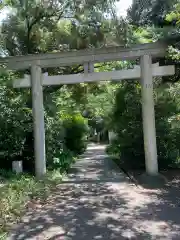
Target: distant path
97,202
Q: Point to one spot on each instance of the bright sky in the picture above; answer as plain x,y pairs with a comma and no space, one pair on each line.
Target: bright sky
3,14
122,6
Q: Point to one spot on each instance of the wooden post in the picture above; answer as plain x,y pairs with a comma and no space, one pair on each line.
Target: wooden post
148,116
38,121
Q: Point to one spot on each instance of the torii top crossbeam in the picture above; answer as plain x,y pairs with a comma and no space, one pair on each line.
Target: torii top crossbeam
82,56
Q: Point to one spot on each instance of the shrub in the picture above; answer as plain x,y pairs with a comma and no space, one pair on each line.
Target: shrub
54,138
63,160
127,123
18,191
65,138
76,129
113,150
15,122
63,133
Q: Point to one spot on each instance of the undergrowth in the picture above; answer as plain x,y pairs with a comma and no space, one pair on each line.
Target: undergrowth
17,191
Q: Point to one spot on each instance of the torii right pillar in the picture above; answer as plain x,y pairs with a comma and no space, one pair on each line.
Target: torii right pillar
152,177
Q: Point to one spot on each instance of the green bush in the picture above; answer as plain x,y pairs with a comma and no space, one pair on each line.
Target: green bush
15,121
113,149
127,123
54,138
76,130
19,191
16,132
63,160
65,138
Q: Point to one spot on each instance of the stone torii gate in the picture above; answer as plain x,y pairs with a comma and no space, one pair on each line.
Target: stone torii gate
146,71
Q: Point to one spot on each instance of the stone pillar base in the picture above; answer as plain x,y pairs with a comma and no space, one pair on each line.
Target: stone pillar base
150,181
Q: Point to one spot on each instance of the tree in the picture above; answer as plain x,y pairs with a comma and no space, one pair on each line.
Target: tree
149,12
31,28
126,119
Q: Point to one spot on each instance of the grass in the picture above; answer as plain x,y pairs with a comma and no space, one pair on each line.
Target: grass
17,191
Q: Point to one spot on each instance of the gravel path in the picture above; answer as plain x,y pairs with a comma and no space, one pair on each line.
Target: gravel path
98,202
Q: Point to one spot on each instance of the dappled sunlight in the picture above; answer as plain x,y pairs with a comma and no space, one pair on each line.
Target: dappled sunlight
157,229
136,198
104,208
89,167
86,210
96,147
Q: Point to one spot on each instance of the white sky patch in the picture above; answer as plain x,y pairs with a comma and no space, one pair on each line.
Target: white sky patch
3,14
122,7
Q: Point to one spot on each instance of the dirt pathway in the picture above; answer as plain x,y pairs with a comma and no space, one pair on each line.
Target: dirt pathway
96,201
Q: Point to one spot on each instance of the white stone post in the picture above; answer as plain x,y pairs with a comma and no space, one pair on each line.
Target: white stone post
148,115
112,136
17,166
38,121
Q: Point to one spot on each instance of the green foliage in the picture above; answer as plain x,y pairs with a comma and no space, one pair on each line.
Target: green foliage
54,137
149,12
167,125
174,15
100,99
19,191
127,123
33,28
16,136
63,160
76,129
59,155
15,121
113,150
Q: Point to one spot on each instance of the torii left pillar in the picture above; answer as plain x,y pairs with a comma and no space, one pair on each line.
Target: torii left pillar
38,120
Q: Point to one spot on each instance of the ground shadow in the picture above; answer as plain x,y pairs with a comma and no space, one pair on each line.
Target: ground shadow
99,209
